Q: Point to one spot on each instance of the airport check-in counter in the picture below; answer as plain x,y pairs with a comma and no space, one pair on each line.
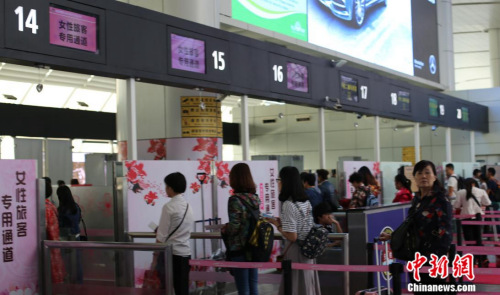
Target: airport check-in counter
363,225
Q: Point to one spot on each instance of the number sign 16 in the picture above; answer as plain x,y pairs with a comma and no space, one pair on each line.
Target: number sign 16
278,73
30,20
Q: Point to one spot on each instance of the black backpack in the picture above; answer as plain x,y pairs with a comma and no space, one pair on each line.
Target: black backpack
460,182
259,244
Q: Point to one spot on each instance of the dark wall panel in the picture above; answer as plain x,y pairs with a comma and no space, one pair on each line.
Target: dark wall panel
19,120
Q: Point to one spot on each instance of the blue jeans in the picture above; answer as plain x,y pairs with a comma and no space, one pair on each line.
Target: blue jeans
246,279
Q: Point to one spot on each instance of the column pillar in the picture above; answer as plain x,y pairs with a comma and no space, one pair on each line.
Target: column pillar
448,145
445,41
132,121
377,139
245,129
495,56
416,132
472,146
322,140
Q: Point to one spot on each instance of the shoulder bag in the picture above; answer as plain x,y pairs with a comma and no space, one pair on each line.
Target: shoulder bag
151,276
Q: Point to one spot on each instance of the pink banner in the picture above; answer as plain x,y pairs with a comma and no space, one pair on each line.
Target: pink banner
18,210
74,30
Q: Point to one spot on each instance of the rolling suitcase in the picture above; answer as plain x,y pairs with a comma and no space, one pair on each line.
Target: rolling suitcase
379,290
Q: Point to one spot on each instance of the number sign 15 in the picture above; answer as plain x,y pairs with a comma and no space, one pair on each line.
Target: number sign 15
219,61
30,20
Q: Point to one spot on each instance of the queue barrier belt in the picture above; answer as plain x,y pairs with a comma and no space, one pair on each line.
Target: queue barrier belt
474,216
467,222
477,271
479,250
484,242
345,268
232,264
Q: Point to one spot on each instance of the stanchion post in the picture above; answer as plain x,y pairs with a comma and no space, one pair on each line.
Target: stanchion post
451,256
286,269
370,248
459,232
169,271
396,269
47,283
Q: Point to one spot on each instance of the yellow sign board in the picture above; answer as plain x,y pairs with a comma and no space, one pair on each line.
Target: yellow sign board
201,116
409,154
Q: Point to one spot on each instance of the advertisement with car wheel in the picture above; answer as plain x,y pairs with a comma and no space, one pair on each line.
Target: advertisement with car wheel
400,35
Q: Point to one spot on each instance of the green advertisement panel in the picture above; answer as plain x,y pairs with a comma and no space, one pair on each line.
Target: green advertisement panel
288,17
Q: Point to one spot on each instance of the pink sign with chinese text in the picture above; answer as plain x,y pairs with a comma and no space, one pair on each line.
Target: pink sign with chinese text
74,30
18,227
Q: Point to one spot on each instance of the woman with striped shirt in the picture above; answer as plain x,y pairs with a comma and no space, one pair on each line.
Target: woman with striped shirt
295,223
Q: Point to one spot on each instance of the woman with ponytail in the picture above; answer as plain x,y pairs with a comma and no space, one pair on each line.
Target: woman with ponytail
470,200
403,185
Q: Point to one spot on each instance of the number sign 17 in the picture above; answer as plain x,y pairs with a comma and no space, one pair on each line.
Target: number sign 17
364,92
30,20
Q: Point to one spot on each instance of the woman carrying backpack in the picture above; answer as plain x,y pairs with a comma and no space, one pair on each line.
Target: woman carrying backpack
470,200
295,223
237,232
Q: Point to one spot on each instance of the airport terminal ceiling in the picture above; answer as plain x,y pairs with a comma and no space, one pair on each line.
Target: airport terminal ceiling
298,78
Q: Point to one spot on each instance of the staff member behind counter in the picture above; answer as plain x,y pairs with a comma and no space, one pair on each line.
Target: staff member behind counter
431,210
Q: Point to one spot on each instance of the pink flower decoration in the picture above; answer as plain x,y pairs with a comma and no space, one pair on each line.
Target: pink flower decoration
151,198
195,187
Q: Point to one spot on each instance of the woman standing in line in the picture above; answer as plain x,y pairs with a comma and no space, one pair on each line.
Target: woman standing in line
295,223
470,200
237,231
52,227
176,222
432,214
403,185
69,226
369,180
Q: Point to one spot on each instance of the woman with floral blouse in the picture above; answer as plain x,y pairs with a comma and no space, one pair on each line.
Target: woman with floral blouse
432,215
52,225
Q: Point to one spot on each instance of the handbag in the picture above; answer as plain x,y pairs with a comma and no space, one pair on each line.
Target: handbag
151,280
479,216
84,237
151,276
405,239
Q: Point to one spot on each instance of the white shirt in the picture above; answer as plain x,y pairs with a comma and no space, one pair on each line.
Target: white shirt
171,216
293,221
453,182
470,207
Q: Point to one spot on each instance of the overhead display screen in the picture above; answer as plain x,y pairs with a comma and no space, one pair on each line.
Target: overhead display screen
297,77
436,109
400,35
349,88
187,54
465,115
402,100
72,29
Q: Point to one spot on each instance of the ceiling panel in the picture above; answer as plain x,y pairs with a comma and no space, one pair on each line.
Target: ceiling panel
472,22
471,42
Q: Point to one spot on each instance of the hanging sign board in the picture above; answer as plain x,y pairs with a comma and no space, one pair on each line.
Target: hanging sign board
201,116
